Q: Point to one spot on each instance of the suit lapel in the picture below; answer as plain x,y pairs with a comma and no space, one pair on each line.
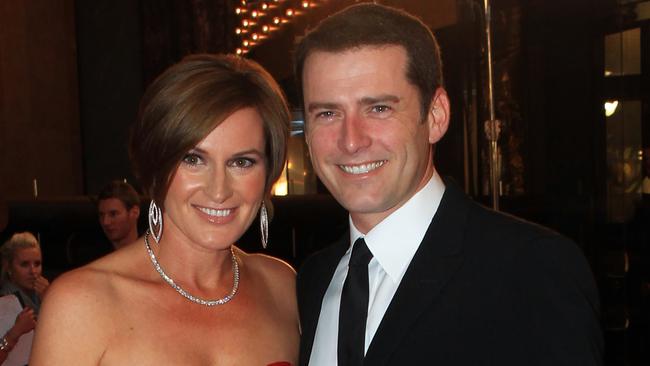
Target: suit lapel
436,260
315,289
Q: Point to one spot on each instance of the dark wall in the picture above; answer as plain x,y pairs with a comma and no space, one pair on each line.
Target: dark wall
110,85
123,46
39,117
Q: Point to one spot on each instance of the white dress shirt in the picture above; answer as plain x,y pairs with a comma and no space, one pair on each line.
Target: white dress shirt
393,243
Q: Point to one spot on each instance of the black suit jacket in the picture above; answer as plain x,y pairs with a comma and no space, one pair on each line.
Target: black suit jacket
483,288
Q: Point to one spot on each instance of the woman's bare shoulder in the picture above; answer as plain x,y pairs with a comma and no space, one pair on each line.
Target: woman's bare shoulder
274,268
277,275
96,282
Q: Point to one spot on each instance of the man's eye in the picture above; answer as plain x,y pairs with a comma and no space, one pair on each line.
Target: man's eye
242,162
380,108
192,159
325,114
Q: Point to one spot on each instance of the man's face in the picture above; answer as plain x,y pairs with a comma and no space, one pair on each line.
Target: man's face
368,141
116,221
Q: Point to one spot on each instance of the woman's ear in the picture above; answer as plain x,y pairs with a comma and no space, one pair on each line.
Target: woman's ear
438,116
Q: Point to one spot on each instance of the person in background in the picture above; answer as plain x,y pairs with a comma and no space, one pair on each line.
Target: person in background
425,276
22,270
118,208
209,143
24,323
21,277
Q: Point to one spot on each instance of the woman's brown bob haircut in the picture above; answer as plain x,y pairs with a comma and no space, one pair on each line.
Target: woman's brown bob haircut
184,104
376,25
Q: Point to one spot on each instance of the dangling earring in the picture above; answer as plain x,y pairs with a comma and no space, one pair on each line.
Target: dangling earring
264,225
155,221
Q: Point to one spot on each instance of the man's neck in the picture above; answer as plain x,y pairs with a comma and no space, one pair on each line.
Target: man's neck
133,236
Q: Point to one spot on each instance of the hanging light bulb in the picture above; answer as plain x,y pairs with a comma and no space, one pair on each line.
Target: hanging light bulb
289,12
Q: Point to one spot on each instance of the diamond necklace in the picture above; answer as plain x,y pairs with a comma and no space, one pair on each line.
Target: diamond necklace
187,295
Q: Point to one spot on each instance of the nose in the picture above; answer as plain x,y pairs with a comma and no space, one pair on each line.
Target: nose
104,220
34,269
353,137
219,187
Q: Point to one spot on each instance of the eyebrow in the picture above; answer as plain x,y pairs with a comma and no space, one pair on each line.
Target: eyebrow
379,99
249,152
199,150
317,105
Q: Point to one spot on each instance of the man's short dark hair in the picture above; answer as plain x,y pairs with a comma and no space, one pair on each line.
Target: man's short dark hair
122,191
370,24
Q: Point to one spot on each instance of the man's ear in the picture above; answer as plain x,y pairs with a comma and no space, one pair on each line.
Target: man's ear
438,116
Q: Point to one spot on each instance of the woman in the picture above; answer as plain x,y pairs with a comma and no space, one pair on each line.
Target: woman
209,142
25,322
21,276
22,271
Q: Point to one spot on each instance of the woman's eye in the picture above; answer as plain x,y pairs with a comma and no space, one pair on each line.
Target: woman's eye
242,163
192,159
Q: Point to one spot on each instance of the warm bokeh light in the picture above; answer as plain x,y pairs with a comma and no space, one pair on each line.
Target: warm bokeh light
281,187
268,16
610,108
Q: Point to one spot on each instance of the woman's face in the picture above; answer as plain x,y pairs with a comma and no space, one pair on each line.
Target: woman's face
218,187
25,267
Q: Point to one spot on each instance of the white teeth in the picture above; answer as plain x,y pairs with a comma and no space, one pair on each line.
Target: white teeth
213,212
363,168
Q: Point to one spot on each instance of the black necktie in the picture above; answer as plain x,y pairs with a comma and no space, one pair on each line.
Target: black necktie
354,307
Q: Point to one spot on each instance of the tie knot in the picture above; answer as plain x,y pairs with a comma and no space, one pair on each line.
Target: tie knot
361,255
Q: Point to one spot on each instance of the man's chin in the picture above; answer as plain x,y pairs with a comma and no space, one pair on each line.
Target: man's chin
362,205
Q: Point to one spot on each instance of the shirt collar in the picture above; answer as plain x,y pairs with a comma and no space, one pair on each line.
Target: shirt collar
394,241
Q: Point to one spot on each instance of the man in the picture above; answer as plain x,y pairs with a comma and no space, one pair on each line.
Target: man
437,279
118,206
